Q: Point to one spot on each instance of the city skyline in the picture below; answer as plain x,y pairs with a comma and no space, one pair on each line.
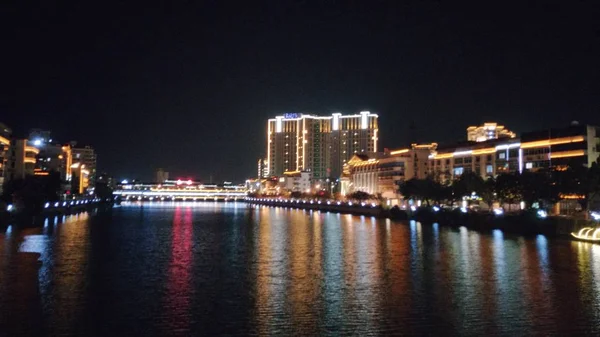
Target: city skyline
148,88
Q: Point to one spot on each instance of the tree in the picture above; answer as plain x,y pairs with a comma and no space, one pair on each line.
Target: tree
581,181
538,187
427,190
468,183
488,191
359,195
296,195
508,188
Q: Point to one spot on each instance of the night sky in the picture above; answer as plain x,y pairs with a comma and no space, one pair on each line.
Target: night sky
189,88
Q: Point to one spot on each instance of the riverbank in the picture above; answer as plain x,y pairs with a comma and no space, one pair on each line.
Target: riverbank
523,223
321,205
11,216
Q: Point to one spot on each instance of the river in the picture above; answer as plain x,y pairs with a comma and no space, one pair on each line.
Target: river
212,268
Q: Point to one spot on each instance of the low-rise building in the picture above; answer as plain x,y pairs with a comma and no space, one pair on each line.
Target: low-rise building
296,181
383,172
560,148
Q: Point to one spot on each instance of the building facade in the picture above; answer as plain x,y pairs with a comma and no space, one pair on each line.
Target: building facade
22,159
296,181
5,134
558,148
87,156
488,131
262,169
80,179
383,172
319,144
54,158
161,176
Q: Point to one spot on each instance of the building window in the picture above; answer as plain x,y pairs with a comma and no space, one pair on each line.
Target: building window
502,155
489,169
529,166
458,171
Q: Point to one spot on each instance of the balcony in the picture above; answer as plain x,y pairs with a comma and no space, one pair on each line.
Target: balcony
32,149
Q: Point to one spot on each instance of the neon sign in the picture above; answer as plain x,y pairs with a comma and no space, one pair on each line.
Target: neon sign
291,115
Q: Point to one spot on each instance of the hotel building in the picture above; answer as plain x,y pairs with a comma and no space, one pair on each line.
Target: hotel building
319,144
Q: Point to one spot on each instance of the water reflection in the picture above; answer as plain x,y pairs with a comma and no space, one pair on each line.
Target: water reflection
179,294
226,268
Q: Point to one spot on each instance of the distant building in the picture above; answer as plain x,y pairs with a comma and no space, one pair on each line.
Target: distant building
161,176
87,156
263,169
488,131
5,135
319,144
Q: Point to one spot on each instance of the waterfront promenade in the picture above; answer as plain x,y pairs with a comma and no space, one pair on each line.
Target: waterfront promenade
525,223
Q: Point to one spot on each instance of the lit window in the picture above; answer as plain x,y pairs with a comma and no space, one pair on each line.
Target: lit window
458,171
489,169
529,166
502,155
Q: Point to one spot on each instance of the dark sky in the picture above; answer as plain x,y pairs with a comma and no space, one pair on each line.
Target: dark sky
189,87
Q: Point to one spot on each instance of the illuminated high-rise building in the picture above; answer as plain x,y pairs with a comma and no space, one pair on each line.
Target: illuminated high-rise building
320,144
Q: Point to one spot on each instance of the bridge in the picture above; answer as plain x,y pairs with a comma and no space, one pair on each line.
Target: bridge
183,192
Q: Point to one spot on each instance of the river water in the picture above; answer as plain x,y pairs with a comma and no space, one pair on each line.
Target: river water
234,269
